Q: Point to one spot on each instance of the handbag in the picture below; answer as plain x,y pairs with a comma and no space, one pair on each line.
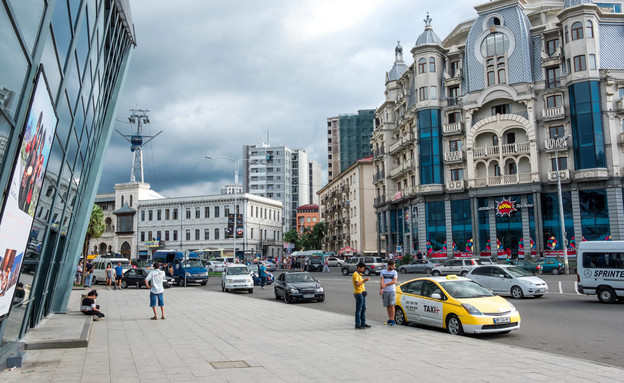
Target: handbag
364,293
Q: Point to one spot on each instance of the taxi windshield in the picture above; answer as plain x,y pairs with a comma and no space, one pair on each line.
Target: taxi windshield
465,289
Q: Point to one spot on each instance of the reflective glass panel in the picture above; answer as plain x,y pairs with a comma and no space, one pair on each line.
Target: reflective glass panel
13,66
28,15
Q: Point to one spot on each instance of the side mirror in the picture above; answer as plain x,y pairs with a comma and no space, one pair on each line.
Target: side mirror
436,296
501,276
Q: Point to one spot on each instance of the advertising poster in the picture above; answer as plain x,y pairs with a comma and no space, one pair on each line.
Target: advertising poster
239,226
229,230
24,190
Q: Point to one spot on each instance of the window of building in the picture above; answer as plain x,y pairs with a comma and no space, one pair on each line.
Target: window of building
158,235
554,101
577,31
455,146
197,231
175,235
158,215
197,213
512,168
493,21
566,35
561,161
556,131
433,92
579,63
216,233
495,44
501,109
226,211
207,212
206,234
457,174
511,138
454,68
188,234
454,117
592,61
188,213
590,29
422,93
142,236
552,77
175,214
149,236
216,214
422,65
497,171
552,46
150,215
432,64
494,140
166,235
166,214
142,215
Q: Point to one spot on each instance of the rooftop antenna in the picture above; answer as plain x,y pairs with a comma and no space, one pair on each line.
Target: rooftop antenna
138,116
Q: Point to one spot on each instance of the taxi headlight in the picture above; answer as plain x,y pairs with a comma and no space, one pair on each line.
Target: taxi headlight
471,309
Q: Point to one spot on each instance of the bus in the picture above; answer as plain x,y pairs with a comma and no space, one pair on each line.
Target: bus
600,270
214,253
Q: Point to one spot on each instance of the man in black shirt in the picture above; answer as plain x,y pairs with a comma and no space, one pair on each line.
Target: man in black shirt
89,307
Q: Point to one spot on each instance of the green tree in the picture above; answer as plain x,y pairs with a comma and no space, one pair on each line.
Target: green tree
319,231
292,236
95,230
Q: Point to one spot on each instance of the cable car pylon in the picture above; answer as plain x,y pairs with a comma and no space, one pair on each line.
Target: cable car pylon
137,140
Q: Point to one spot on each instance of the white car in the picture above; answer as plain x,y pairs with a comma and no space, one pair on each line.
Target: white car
215,266
508,280
236,277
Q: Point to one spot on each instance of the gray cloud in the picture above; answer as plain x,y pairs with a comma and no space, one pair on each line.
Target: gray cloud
218,75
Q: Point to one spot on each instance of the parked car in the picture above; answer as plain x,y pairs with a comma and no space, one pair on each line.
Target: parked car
532,267
457,304
237,277
418,266
458,266
313,263
374,265
509,280
255,274
270,266
334,261
296,286
214,266
551,265
136,277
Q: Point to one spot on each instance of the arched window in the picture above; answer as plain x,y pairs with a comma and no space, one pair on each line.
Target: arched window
495,44
422,65
577,31
493,21
590,29
431,64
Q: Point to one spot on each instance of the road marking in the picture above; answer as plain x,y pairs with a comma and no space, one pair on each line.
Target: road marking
560,289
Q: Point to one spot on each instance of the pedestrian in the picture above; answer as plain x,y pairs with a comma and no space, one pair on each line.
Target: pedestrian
508,253
20,293
359,292
78,273
326,265
156,277
419,255
89,271
89,307
387,290
541,254
118,275
262,274
109,275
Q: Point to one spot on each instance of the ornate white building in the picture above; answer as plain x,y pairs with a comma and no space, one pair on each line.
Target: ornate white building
477,128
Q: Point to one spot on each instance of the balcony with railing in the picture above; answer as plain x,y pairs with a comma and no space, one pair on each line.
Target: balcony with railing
379,152
454,128
453,78
553,113
486,151
507,179
564,174
379,200
454,157
551,57
453,101
553,144
396,146
455,186
378,177
402,168
516,148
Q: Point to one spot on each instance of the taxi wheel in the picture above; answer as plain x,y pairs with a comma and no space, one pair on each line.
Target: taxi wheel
399,317
516,292
453,325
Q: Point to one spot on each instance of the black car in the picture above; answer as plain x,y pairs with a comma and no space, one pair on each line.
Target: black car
313,263
136,277
298,286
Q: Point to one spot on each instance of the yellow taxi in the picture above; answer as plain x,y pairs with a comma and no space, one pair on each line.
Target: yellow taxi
456,304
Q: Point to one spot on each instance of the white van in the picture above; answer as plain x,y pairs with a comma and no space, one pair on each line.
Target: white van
600,269
99,267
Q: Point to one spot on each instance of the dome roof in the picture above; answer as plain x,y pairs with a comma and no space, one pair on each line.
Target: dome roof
574,3
428,37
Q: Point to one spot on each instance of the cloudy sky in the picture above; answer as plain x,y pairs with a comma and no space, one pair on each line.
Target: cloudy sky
217,75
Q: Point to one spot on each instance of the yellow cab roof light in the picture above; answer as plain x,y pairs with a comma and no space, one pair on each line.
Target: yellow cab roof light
451,277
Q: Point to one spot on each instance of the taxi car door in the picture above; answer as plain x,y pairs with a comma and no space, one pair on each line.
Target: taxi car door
500,285
410,300
431,310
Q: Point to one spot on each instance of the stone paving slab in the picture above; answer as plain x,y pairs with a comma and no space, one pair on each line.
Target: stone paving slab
280,343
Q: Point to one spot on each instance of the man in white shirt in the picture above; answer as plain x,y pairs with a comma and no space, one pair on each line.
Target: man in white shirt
156,276
387,290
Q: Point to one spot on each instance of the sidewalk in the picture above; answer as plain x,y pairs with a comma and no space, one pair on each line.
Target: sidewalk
219,337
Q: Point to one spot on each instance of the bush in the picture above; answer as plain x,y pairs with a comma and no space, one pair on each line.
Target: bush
406,259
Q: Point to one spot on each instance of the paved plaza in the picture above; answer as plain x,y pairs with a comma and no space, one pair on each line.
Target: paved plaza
218,337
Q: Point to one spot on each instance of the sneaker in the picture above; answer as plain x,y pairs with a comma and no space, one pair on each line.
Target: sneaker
96,318
359,328
154,318
388,322
366,325
392,323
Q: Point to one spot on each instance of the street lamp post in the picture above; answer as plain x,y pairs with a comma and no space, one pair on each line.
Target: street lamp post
561,217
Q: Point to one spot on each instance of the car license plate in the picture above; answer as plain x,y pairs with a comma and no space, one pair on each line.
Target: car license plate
502,320
308,295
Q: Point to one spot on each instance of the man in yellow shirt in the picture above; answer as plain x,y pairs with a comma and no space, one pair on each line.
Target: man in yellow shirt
359,292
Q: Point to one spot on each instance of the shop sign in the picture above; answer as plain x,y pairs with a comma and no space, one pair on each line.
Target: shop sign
506,207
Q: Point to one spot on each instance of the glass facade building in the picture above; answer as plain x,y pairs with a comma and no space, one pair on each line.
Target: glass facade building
71,55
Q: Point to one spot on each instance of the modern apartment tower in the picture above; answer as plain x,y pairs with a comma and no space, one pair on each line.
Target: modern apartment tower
348,140
63,68
283,174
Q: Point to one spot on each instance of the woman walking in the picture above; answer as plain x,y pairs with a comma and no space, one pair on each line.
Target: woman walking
109,275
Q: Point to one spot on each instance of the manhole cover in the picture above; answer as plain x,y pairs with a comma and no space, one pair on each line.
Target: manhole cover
230,364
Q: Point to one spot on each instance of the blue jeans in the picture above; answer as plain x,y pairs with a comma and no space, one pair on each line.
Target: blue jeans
88,279
360,310
262,281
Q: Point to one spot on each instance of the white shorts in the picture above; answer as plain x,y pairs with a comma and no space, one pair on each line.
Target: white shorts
389,298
